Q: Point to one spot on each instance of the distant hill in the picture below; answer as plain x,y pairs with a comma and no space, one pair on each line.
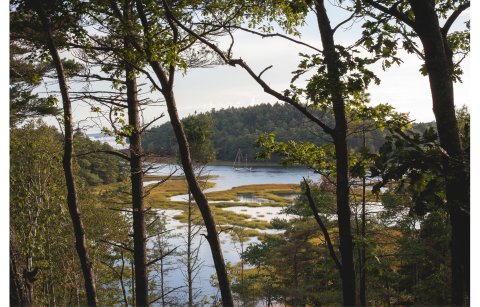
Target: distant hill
238,128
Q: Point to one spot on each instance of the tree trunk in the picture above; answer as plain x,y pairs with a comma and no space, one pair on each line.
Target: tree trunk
189,252
200,199
132,270
80,241
438,60
363,256
341,153
162,277
136,177
18,277
167,81
122,283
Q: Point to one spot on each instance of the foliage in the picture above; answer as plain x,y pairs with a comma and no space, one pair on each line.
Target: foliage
384,36
95,165
24,77
415,163
239,128
198,130
42,224
293,267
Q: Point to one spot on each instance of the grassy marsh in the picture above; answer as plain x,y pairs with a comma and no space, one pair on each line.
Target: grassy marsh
159,197
272,192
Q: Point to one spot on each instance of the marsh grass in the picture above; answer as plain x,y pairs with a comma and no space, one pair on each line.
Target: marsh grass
272,192
159,197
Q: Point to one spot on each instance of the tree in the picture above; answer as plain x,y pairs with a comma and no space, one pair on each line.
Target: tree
24,77
198,131
49,17
110,51
35,195
162,251
339,83
422,19
40,221
164,69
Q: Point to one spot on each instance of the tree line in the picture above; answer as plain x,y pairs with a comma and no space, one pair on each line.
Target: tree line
239,128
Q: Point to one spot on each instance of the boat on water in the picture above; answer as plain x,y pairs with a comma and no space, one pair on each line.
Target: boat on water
237,164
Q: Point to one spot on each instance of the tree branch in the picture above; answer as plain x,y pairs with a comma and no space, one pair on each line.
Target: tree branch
392,11
111,152
453,17
265,35
343,22
161,257
122,246
322,226
260,81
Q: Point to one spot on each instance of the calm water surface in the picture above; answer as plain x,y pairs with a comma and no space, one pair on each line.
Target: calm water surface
229,178
226,178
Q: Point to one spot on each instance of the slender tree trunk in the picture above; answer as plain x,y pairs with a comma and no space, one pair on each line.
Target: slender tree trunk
363,286
79,230
242,272
162,277
200,199
341,153
132,267
167,81
189,252
122,283
51,284
136,169
136,177
438,60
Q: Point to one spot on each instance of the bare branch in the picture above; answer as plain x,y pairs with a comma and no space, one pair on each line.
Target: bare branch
165,294
343,22
119,245
265,35
261,73
263,84
151,122
322,225
158,184
161,257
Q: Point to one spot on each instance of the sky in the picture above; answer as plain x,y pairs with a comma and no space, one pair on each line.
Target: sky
402,86
222,86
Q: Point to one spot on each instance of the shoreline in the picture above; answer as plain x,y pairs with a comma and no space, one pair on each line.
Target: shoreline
173,160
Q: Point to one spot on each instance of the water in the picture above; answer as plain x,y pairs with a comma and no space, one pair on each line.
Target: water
175,277
228,178
264,213
225,178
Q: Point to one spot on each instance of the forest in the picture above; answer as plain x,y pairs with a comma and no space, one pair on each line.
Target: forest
360,204
239,128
